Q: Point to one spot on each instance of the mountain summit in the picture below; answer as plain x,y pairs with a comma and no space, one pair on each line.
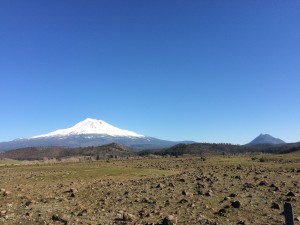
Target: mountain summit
91,126
266,139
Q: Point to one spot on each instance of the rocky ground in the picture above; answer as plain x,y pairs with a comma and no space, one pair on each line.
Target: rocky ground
212,190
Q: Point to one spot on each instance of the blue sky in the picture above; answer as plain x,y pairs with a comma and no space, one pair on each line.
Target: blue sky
208,71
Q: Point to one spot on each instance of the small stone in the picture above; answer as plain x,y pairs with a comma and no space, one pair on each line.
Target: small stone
263,183
28,214
209,193
128,217
248,185
221,212
291,194
119,216
83,212
184,192
171,185
275,205
182,201
6,193
169,220
59,218
28,203
73,190
192,205
236,204
160,185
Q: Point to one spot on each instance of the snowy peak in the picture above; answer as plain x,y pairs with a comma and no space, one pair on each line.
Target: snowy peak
91,126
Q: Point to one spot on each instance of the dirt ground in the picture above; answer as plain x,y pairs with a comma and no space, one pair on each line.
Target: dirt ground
241,189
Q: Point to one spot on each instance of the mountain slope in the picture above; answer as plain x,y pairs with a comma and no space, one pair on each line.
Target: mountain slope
266,139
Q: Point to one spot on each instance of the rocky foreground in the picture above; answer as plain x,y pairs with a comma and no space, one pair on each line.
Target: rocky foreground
212,190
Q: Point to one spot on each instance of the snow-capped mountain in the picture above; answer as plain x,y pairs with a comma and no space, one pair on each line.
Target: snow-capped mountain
91,126
89,132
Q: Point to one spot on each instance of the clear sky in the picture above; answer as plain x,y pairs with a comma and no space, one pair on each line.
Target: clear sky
208,71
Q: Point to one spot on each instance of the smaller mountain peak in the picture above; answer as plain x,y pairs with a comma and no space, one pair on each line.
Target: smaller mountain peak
266,139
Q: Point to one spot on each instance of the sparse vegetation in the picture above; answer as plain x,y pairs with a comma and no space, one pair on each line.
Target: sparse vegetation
238,189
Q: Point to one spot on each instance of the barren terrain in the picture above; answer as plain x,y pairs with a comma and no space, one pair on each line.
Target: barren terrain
240,189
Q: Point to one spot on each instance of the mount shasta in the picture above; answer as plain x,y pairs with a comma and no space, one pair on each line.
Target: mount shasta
90,132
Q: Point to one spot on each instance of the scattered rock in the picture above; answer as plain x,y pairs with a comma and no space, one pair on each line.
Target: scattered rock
6,193
291,194
248,185
28,214
128,217
182,201
209,193
28,203
59,218
119,216
171,185
236,204
169,220
263,183
275,205
82,212
187,193
160,185
73,190
222,212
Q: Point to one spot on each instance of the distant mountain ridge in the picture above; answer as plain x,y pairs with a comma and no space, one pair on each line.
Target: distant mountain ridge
114,150
266,139
90,132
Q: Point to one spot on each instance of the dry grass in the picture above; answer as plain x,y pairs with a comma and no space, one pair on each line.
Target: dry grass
149,189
